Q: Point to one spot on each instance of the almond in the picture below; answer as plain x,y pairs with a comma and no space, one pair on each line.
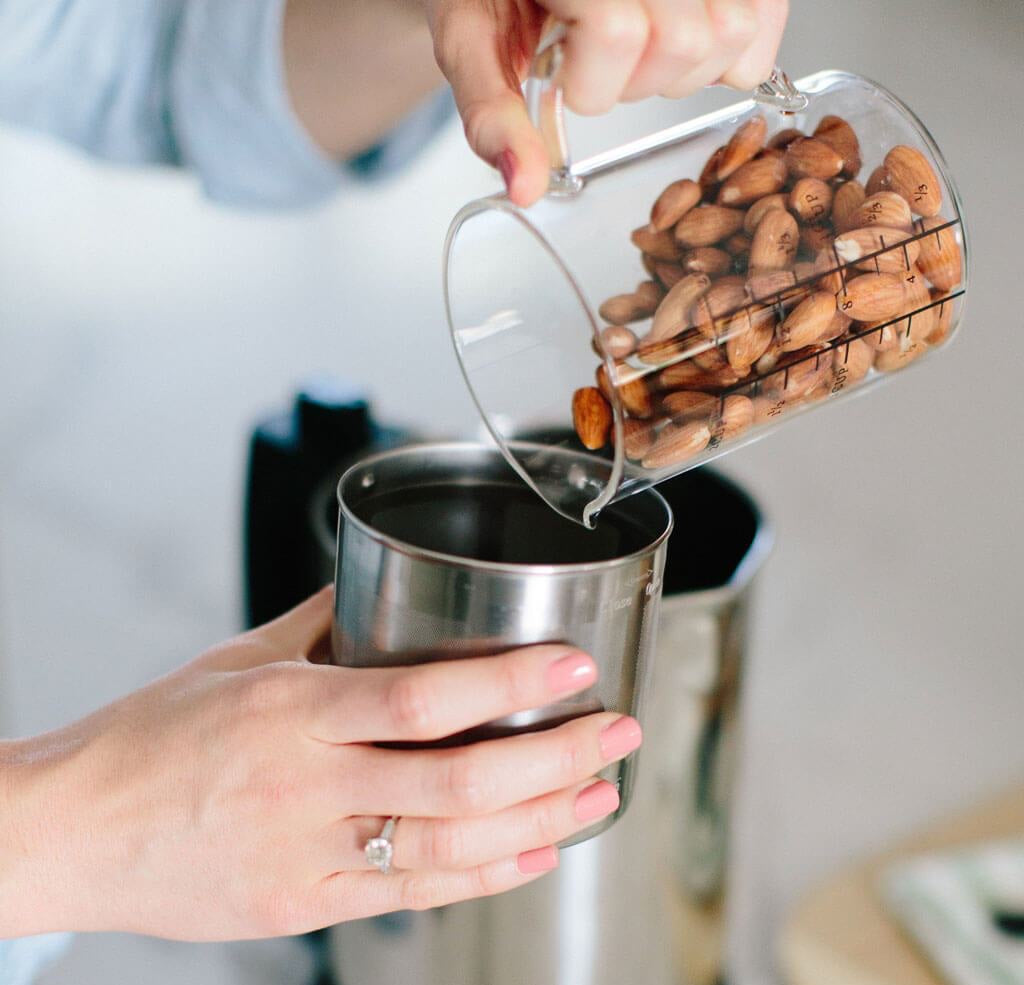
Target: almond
811,200
673,203
592,417
835,329
706,260
812,158
887,250
882,209
897,359
625,308
944,321
911,176
711,313
676,444
768,285
672,316
848,199
637,438
757,211
816,237
775,241
735,416
690,405
632,389
828,270
706,226
636,397
838,134
660,246
617,341
879,336
851,362
749,333
879,181
803,374
873,297
687,375
745,143
649,264
738,245
669,274
708,180
940,260
808,322
784,138
754,180
709,357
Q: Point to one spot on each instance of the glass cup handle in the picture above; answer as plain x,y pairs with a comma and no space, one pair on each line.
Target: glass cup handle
547,110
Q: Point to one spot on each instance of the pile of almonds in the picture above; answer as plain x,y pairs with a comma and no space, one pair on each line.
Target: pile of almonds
775,279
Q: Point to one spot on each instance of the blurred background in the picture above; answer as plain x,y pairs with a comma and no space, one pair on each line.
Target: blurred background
144,331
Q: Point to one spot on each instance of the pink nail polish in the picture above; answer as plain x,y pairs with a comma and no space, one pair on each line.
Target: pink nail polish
621,738
507,164
598,800
538,860
571,673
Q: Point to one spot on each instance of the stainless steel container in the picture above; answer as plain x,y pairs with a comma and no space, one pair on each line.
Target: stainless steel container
645,902
445,553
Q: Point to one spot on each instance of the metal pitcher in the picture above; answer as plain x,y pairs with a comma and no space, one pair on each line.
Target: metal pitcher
645,901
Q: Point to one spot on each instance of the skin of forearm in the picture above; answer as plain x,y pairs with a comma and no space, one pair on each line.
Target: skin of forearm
355,68
27,844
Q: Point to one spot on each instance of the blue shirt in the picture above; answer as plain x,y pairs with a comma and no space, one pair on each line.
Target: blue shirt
188,83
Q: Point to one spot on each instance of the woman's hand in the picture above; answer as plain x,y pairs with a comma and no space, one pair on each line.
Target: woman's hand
233,798
615,50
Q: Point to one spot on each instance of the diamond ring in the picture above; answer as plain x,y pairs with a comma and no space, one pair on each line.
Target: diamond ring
379,851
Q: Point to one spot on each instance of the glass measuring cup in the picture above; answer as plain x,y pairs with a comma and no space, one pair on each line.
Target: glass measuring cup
669,336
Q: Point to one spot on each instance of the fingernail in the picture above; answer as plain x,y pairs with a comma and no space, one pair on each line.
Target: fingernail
538,860
507,165
598,800
572,673
621,738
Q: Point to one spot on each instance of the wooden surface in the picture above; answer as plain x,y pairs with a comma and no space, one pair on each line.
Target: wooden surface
841,933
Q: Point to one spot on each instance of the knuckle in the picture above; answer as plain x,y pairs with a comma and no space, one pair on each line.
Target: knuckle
692,43
518,682
446,847
487,881
412,705
549,821
574,761
617,25
471,786
420,892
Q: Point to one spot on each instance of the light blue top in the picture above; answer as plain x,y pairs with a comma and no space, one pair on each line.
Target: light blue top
189,83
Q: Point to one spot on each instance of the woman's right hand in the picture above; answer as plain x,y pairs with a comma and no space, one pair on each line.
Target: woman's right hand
233,798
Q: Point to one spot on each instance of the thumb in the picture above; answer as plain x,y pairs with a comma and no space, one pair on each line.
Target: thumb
493,111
